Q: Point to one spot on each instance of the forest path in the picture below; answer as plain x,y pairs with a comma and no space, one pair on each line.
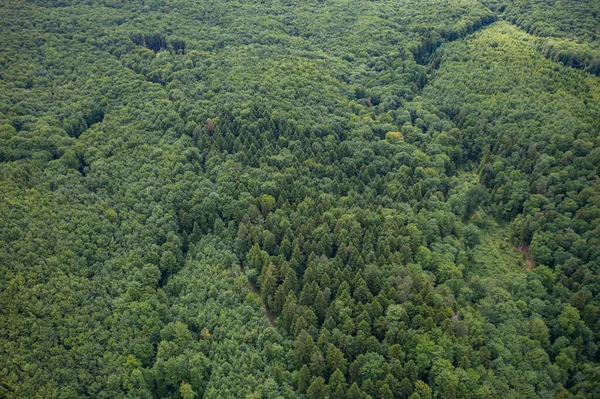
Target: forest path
524,248
267,310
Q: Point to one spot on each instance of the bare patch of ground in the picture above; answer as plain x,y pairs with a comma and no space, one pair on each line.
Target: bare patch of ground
524,248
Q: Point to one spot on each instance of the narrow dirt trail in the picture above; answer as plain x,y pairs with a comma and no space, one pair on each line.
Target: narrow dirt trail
268,312
524,248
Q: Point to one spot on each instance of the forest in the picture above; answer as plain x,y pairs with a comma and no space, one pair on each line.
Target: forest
319,199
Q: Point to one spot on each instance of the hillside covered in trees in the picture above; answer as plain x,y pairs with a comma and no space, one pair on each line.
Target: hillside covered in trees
300,199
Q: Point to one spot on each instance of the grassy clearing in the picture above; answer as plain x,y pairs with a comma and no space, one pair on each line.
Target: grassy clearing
495,255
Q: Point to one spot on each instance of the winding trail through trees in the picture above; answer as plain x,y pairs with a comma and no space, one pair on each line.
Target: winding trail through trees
524,248
268,312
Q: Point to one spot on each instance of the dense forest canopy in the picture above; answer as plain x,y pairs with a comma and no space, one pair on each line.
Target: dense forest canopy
299,199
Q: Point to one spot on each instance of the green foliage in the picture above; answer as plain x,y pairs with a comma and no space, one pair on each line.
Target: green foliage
471,236
298,199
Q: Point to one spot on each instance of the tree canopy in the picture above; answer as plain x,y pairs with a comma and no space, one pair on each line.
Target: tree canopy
313,199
